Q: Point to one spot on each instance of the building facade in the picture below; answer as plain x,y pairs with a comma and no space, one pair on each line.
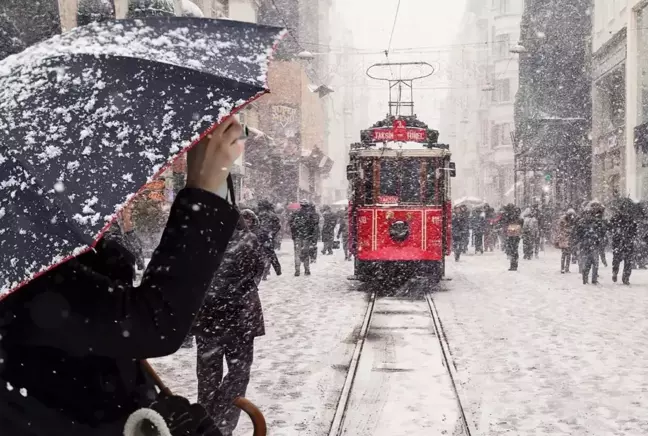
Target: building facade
609,51
620,99
478,115
553,105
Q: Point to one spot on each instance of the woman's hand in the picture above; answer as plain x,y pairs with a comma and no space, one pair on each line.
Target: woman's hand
209,161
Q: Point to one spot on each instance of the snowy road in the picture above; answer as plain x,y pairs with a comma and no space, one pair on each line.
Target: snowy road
539,353
401,386
536,353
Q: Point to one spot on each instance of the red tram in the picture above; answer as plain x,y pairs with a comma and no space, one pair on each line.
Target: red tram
400,208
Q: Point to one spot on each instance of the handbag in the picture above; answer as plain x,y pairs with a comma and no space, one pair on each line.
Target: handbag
173,415
336,244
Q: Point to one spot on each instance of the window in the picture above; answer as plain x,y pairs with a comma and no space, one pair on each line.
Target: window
484,133
367,181
430,183
502,91
402,179
389,177
642,36
504,7
506,134
502,46
495,135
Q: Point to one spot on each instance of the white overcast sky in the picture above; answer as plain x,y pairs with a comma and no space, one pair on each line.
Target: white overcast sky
422,27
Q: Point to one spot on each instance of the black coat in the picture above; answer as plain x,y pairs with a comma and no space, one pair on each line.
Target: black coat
232,307
304,224
590,232
623,229
328,230
269,225
72,340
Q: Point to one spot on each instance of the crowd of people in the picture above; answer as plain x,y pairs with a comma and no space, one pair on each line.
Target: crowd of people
583,234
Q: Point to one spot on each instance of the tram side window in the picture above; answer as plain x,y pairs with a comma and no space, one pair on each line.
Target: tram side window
430,184
411,181
368,185
389,175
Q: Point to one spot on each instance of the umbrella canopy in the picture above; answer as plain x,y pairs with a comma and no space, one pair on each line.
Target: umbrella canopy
469,201
88,117
293,206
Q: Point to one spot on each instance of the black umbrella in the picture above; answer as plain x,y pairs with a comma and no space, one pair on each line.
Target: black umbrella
88,117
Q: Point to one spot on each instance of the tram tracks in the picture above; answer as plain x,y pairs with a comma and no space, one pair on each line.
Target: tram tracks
343,413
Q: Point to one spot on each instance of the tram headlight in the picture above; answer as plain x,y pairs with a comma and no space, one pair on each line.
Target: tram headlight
399,231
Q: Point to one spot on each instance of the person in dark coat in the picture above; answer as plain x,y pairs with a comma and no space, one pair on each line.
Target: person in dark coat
590,234
564,239
225,328
303,233
459,230
512,227
623,230
314,221
328,230
343,232
72,340
479,228
267,232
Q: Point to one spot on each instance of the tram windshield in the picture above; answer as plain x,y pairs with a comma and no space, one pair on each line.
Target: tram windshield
407,181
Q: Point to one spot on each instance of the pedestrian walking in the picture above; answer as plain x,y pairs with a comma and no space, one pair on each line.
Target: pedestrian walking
512,224
590,234
228,322
623,232
304,231
479,229
328,230
530,233
315,224
564,239
267,231
343,232
459,231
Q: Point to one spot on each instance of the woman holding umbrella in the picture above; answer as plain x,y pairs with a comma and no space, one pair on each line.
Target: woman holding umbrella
72,339
74,331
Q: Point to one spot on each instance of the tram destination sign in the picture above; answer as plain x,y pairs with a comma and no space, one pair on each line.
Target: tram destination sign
399,131
410,134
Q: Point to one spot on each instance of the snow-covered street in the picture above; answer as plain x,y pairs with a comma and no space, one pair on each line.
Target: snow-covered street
536,353
539,353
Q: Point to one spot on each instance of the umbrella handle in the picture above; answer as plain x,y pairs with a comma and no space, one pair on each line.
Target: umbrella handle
257,418
156,378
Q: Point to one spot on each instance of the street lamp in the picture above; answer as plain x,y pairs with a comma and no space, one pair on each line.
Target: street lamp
306,55
518,49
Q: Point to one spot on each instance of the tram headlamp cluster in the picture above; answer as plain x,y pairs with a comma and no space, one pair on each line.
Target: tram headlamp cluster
399,231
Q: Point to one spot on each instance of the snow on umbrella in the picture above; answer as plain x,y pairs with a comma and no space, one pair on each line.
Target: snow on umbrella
90,116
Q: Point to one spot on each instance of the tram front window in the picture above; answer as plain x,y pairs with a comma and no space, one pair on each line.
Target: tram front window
411,181
389,178
402,179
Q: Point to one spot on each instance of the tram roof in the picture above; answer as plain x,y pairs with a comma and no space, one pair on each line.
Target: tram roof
399,152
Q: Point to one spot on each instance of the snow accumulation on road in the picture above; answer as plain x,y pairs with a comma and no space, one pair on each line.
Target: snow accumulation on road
300,365
539,353
402,386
